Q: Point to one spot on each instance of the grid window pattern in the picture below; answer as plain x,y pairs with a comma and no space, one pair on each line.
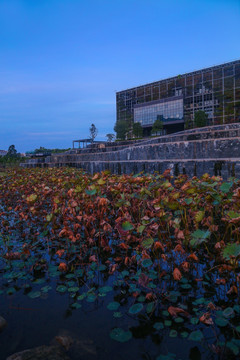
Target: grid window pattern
215,90
170,110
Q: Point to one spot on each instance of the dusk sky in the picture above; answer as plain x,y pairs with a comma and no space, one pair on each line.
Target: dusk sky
61,61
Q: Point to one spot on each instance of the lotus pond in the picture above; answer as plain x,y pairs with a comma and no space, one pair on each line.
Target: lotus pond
143,266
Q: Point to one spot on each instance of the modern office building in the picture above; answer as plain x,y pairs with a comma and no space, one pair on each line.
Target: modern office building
215,90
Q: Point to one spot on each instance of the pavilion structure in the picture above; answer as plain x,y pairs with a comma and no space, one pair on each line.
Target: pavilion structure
82,143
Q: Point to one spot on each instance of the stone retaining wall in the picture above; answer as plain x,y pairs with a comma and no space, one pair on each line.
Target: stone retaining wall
215,150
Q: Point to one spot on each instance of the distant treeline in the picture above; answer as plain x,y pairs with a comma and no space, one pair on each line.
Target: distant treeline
43,150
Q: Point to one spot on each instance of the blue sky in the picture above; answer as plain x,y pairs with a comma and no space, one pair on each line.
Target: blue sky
61,61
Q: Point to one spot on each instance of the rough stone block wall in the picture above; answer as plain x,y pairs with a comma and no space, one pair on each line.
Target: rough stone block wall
214,150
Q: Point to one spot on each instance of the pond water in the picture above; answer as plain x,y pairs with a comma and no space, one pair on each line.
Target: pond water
36,313
119,267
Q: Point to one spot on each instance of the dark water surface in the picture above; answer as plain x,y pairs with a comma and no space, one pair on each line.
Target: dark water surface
35,322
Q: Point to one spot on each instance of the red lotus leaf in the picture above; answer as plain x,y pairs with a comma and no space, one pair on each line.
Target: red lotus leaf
174,311
102,201
13,255
143,280
211,306
60,252
135,294
158,246
206,318
164,257
233,290
180,235
185,266
145,255
127,261
150,296
93,258
178,248
221,281
74,204
113,268
62,266
192,257
177,274
62,232
124,246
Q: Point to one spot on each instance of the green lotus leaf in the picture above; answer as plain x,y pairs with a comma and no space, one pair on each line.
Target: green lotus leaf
146,263
76,305
198,237
117,314
91,298
46,288
228,312
194,321
158,326
231,250
150,307
179,320
126,226
233,347
102,267
168,322
73,289
225,187
120,335
114,305
91,192
34,294
136,308
12,290
169,356
105,289
61,288
147,243
196,335
220,321
173,333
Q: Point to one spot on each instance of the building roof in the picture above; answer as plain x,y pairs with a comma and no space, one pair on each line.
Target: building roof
179,75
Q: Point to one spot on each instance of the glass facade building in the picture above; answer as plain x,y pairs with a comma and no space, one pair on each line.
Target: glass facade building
215,90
